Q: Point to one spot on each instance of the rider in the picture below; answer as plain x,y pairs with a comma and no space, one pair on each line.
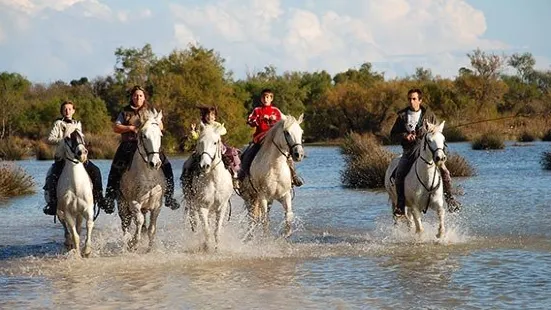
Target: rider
229,154
67,109
128,124
408,130
263,118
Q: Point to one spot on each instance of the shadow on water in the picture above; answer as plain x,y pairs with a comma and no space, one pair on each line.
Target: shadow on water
9,252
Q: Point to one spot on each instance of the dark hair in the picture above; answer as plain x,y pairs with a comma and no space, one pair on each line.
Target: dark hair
266,91
205,110
416,90
64,103
135,89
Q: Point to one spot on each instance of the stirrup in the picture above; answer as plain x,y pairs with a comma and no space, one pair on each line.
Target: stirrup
453,204
171,203
398,212
298,181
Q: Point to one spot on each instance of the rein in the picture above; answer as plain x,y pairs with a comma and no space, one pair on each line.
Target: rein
432,189
213,158
73,150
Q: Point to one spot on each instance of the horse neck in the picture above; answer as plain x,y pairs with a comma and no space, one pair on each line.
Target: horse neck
271,151
426,171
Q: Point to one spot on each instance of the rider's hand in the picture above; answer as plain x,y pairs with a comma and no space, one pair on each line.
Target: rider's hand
265,117
193,126
272,117
410,137
133,128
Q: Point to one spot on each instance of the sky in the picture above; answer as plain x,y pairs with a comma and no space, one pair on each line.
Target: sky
50,40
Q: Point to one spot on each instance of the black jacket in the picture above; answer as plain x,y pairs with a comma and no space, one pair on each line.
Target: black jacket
399,131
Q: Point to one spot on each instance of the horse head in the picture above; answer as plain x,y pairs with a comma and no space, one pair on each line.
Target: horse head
434,143
292,137
75,147
149,139
209,146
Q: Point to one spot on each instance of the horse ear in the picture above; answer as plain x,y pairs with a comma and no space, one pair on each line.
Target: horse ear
283,117
300,118
159,116
201,126
441,126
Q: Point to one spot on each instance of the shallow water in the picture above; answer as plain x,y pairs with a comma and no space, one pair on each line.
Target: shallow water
345,252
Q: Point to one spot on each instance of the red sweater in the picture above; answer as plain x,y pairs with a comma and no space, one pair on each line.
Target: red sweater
263,118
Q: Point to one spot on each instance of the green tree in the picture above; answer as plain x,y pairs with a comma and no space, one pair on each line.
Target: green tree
13,87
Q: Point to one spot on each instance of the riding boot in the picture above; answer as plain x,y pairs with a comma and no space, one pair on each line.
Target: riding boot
169,193
296,180
401,199
453,204
121,162
51,187
97,186
247,160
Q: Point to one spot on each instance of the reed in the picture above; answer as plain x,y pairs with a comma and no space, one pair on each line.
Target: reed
102,146
12,149
491,140
14,181
459,166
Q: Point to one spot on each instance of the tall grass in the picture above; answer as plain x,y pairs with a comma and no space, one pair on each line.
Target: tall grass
526,136
454,134
13,149
366,161
491,140
546,136
102,146
44,151
14,181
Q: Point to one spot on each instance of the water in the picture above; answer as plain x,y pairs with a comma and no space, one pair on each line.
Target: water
345,253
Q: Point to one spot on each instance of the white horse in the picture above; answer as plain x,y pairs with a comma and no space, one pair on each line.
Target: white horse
212,188
423,184
75,201
143,185
269,178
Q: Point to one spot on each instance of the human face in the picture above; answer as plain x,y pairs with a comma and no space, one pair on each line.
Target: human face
267,99
414,101
67,111
138,98
211,117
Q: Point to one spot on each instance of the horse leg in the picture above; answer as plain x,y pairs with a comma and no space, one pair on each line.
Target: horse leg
417,219
154,214
71,226
89,216
289,215
441,212
68,239
204,214
263,207
220,216
138,221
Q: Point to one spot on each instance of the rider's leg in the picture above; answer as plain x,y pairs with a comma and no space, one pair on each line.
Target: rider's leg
97,186
404,165
296,180
453,204
51,187
169,177
247,159
187,171
121,161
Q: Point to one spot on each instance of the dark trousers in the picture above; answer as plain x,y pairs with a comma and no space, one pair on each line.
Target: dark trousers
121,163
404,166
247,159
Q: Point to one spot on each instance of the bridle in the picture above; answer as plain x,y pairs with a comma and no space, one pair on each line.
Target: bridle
218,153
147,152
433,187
290,144
426,145
73,148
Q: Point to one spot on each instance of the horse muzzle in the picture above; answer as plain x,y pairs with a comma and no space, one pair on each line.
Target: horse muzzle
439,157
154,163
297,153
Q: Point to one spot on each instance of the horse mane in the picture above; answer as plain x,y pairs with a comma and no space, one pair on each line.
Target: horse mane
207,127
285,122
147,118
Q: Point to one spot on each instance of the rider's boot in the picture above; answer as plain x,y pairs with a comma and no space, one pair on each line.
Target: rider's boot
113,188
453,204
169,194
97,186
295,178
401,199
51,187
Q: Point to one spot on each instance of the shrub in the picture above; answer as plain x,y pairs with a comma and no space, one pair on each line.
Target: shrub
546,160
489,141
14,181
12,149
366,161
454,134
458,166
526,136
101,146
44,151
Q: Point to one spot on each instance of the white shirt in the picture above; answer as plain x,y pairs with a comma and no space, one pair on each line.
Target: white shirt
413,120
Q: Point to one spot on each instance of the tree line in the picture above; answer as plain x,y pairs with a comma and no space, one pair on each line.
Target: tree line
357,100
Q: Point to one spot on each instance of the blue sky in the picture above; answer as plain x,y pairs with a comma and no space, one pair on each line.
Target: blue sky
49,40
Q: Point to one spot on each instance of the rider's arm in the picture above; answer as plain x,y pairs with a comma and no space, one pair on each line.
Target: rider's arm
252,120
56,134
398,133
118,127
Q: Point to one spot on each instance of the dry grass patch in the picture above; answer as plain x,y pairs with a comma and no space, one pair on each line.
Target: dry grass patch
14,181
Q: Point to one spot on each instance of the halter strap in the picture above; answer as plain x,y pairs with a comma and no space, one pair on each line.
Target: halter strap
212,158
147,153
73,150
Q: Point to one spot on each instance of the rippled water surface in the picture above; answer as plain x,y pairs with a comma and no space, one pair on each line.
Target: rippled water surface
345,252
